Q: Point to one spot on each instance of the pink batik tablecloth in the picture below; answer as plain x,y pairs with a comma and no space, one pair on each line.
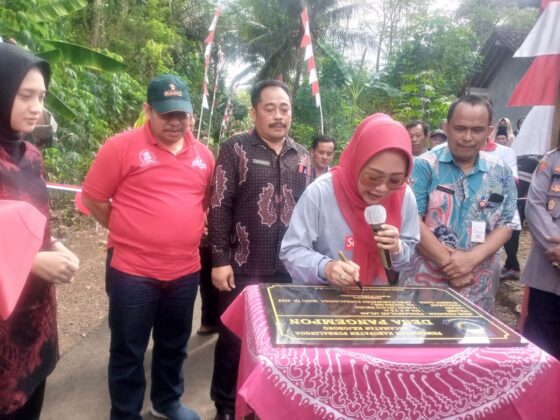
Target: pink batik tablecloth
386,383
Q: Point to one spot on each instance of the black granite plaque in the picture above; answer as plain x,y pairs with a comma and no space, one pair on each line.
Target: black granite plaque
380,316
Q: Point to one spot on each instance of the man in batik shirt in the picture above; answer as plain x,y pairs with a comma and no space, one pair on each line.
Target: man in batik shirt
466,201
259,177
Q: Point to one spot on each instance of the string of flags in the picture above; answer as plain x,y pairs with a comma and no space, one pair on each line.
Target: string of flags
306,43
209,41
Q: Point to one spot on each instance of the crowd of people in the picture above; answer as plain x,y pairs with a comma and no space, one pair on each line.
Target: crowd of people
266,210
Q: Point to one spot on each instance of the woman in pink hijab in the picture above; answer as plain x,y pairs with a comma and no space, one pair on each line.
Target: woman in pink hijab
374,170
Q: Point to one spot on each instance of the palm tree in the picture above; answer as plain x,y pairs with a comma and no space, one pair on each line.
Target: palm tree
268,34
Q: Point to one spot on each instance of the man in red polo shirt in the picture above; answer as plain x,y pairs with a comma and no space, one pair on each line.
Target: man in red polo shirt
149,187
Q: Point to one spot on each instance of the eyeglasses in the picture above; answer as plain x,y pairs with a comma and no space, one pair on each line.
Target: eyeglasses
373,180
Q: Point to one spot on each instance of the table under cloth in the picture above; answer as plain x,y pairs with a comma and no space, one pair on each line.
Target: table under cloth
289,382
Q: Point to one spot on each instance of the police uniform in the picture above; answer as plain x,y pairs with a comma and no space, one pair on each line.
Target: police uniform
542,211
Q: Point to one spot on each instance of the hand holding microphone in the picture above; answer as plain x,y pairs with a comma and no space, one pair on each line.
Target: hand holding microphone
386,236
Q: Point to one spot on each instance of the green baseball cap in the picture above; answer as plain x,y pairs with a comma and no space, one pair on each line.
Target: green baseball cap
168,93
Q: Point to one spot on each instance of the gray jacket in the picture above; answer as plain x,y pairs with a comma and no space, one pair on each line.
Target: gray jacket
318,230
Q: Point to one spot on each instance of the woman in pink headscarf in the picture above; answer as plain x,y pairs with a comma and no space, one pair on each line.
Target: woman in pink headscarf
329,217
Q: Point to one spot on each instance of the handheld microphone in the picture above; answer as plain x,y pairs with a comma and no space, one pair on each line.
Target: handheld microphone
375,216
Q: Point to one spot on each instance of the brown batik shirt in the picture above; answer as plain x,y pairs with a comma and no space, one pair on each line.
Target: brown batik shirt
253,195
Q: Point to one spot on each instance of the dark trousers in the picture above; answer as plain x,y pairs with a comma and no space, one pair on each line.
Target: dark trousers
511,247
31,410
542,325
136,305
208,293
228,346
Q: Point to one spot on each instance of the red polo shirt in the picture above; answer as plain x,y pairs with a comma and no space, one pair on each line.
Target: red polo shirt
158,202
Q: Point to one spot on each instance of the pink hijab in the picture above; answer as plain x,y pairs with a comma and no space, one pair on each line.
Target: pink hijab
376,133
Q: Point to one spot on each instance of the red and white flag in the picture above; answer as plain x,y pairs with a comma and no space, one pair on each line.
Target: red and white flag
207,56
227,113
535,133
539,85
210,38
545,3
205,85
219,67
307,44
535,88
544,38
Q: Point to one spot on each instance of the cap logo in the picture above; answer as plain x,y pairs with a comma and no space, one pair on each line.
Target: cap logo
172,91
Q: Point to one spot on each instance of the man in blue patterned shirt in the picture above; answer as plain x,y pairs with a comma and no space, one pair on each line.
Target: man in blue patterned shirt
466,203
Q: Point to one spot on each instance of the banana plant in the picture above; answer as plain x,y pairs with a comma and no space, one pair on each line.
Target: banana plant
33,24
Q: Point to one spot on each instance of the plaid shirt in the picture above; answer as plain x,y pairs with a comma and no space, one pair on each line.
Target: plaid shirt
253,195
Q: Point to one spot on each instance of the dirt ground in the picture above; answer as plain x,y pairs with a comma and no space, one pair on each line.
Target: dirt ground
82,305
510,292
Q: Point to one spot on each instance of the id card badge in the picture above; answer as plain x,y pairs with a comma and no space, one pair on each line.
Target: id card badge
478,232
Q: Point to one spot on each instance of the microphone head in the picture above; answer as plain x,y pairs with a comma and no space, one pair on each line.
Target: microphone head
375,215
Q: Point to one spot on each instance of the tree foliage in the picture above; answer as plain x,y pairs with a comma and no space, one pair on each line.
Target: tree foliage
435,44
388,26
431,67
349,92
483,16
393,56
268,33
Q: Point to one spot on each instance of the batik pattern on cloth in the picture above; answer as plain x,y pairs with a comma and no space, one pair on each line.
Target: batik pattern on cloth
253,197
28,338
386,383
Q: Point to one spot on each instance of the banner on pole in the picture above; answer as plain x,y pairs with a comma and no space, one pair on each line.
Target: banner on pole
539,85
308,56
207,57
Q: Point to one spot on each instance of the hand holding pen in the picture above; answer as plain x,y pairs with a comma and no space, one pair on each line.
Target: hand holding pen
342,273
347,261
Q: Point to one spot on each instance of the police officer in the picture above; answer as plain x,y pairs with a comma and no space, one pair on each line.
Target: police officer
542,270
